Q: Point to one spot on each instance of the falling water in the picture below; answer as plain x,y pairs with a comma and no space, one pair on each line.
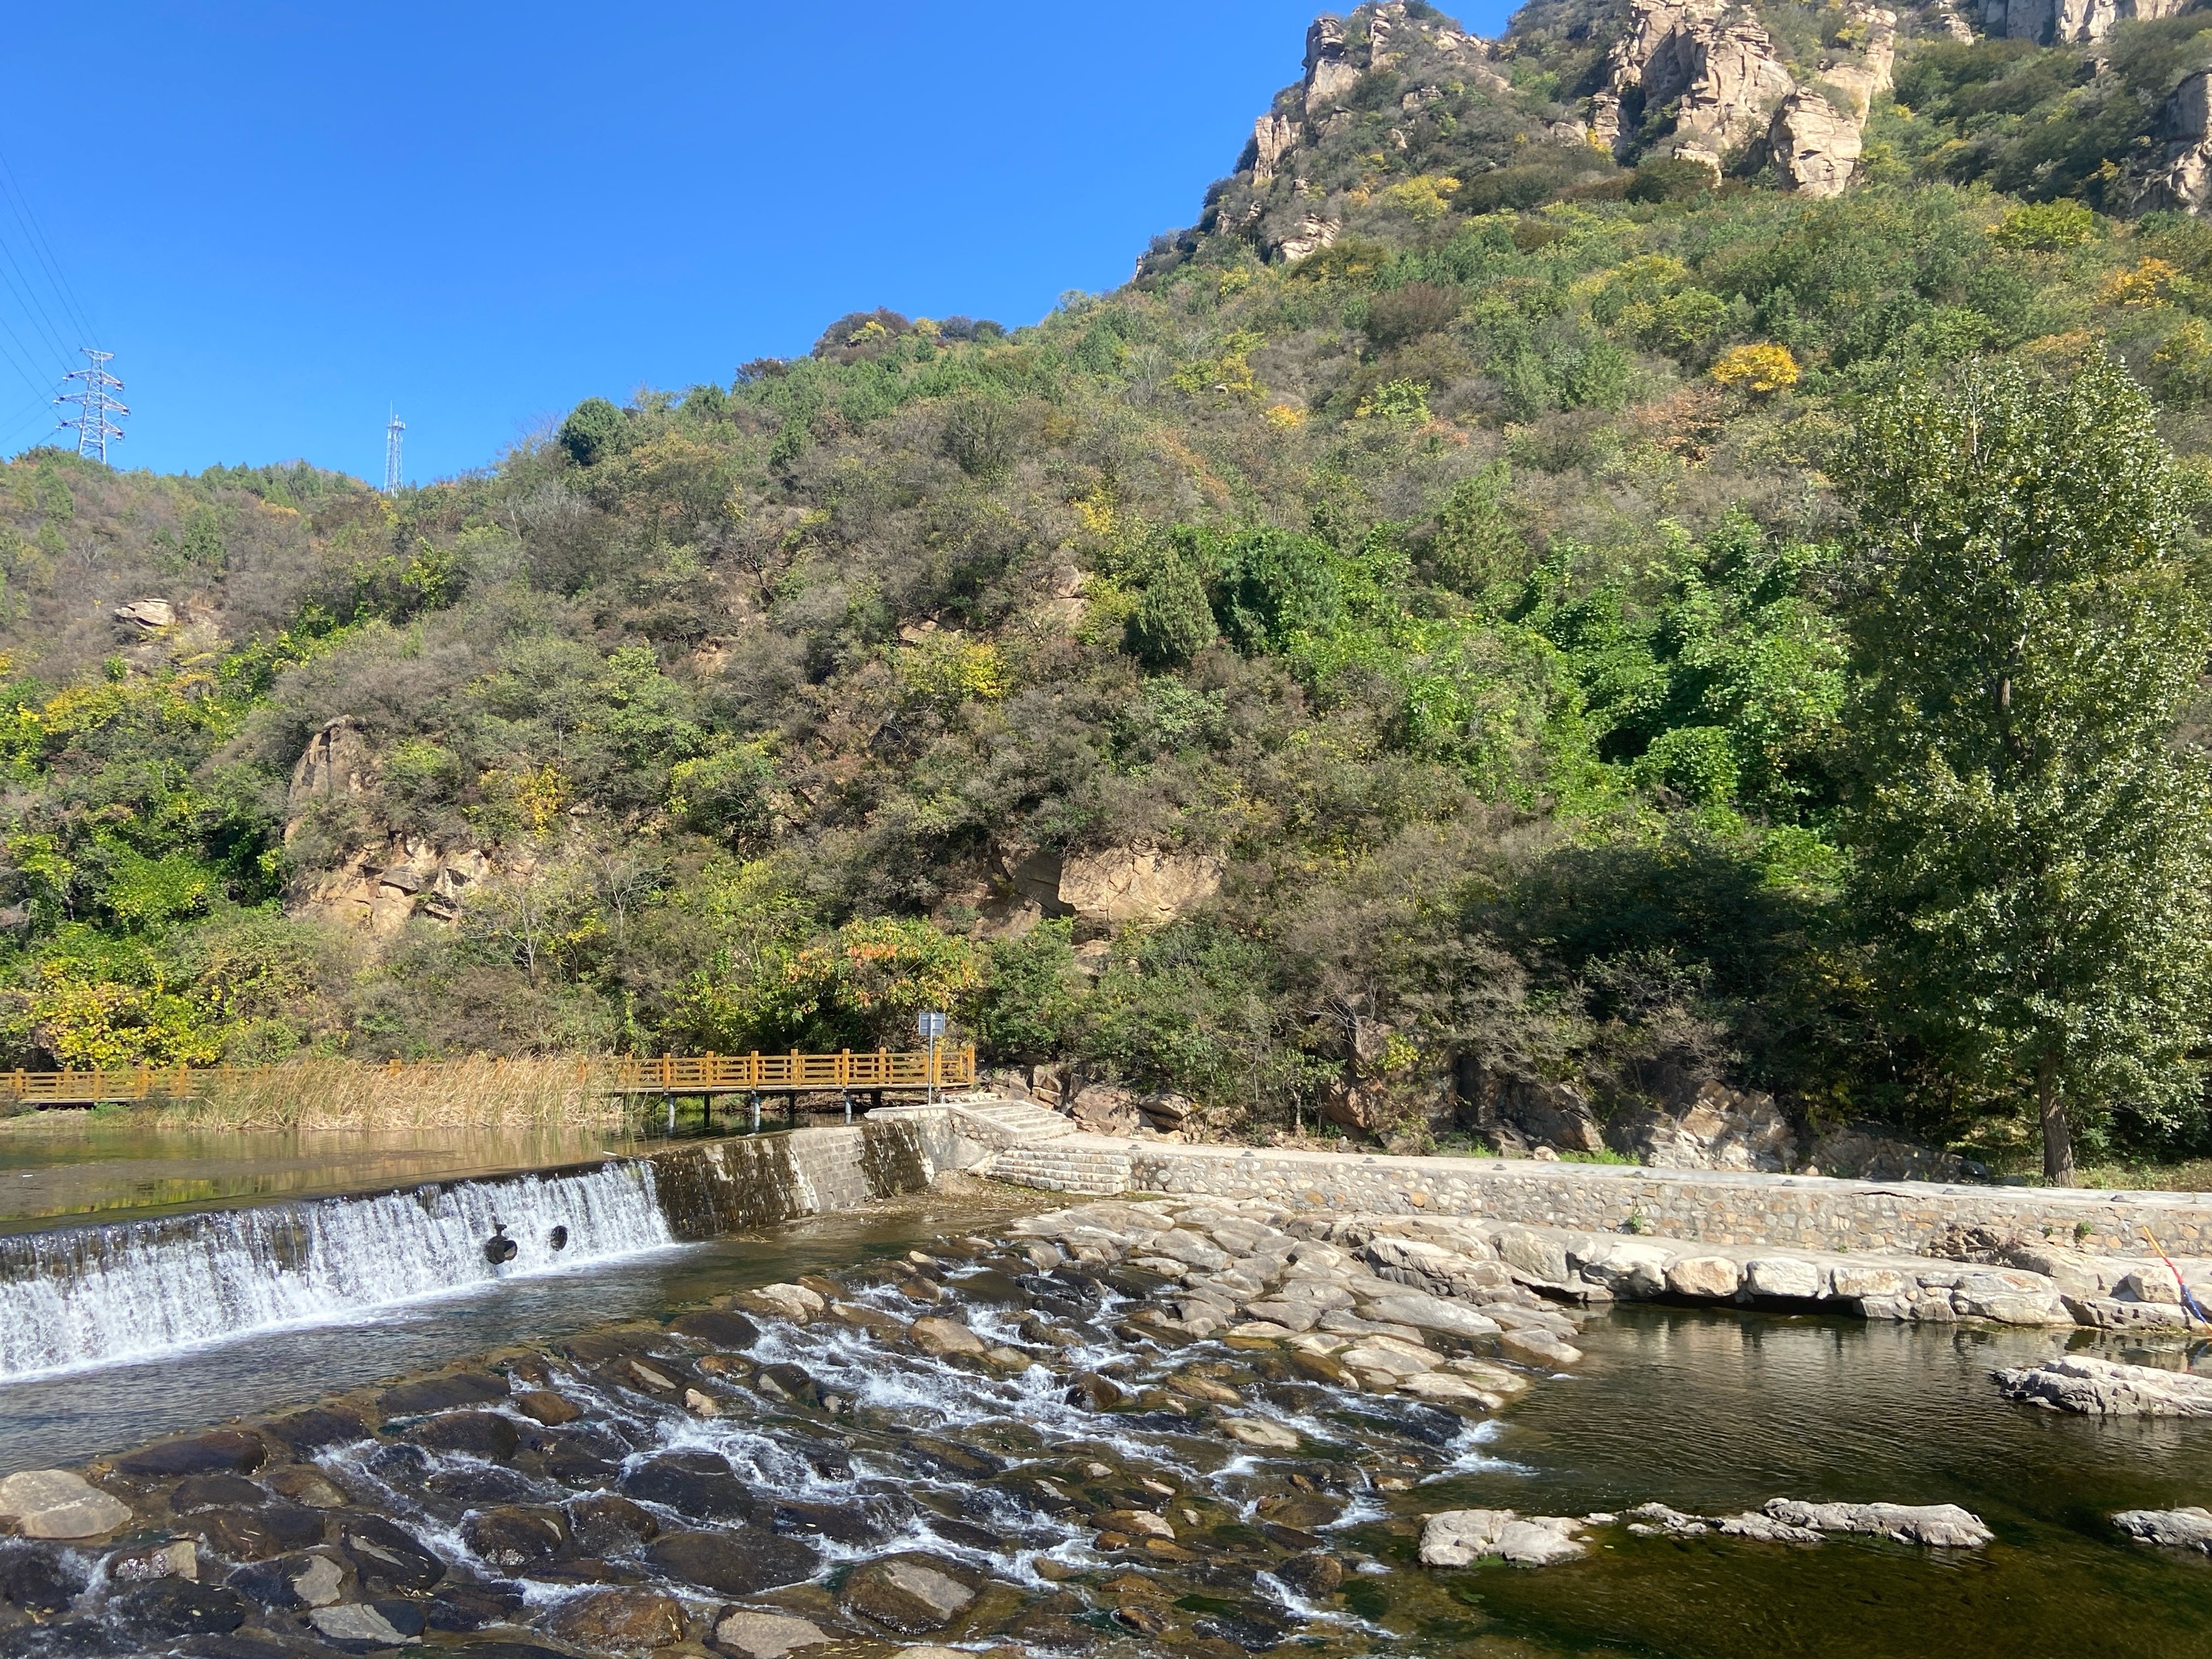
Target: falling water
93,1295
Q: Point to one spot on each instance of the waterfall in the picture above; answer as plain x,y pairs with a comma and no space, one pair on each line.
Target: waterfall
90,1296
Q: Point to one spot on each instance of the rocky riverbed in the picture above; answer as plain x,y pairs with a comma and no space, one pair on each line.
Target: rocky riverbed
1130,1427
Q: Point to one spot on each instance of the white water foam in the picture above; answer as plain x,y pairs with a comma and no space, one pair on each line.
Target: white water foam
93,1296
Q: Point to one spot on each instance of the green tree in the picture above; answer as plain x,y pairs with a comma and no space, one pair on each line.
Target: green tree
2032,854
592,432
1174,621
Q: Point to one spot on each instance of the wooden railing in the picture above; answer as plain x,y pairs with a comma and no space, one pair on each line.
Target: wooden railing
793,1072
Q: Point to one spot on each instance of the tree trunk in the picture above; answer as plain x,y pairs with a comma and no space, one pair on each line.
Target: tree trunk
2058,1136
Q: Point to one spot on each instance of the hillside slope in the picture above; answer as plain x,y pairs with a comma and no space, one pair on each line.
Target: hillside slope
1386,654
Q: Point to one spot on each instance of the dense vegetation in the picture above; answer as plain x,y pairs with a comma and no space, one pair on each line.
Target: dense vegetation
1483,590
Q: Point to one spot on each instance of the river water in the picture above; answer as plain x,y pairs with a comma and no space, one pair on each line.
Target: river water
1711,1413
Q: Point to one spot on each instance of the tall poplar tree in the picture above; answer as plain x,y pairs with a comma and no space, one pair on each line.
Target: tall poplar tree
2033,850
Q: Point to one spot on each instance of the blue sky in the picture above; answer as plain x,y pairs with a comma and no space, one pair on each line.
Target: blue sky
283,218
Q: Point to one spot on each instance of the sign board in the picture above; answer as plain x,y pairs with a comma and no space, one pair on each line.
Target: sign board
929,1025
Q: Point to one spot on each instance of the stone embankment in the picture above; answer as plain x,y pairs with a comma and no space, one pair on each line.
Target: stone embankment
1918,1251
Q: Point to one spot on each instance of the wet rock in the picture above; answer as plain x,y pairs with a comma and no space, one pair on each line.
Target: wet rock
545,1406
310,1431
717,1328
603,1524
1248,1627
37,1581
173,1607
1315,1575
178,1558
256,1534
619,1621
303,1483
481,1485
790,1382
793,1301
292,1581
383,1554
1536,1348
738,1562
767,1635
319,1582
471,1606
944,1339
698,1485
1259,1432
2103,1388
948,1458
1096,1392
884,1328
399,1466
512,1536
910,1595
1944,1525
442,1394
365,1624
2189,1529
220,1451
55,1504
211,1492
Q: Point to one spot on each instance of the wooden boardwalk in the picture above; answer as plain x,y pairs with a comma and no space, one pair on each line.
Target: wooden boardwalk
871,1071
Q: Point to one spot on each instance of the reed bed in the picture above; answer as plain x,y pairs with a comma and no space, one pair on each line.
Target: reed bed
460,1094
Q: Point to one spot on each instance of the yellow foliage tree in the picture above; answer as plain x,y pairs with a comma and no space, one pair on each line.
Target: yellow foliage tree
1762,370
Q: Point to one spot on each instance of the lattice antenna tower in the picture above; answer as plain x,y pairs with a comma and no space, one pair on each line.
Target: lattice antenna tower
98,408
392,431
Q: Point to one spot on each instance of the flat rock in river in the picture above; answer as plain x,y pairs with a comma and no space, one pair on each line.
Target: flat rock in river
2190,1529
907,1594
1944,1525
1428,1313
2103,1388
767,1635
742,1562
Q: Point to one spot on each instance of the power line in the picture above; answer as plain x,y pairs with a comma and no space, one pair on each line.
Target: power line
95,404
42,251
392,432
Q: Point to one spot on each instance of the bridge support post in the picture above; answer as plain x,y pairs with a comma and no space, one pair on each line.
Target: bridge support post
755,1111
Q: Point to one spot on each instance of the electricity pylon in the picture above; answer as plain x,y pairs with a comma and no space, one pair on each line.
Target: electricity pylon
98,409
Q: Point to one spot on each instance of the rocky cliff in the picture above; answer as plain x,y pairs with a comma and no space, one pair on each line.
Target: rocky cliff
1397,89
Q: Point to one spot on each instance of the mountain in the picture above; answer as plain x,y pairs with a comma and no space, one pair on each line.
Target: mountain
1388,654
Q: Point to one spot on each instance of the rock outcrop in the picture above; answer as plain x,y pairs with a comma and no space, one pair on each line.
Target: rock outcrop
2181,176
1145,885
378,889
1722,74
1722,1129
1813,147
334,765
2052,22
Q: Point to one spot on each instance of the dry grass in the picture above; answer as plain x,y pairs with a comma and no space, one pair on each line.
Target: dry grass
462,1094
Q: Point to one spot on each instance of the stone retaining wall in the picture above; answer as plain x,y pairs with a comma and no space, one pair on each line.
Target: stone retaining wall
1714,1206
710,1188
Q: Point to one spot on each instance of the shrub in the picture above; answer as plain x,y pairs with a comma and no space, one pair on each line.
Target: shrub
1174,621
2044,226
1670,179
1409,313
979,436
1761,369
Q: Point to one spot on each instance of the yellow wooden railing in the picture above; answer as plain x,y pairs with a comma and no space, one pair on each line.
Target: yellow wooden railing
670,1074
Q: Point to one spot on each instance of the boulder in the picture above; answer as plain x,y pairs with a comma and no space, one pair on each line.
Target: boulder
55,1504
359,1623
442,1394
619,1621
736,1563
2104,1387
1783,1276
908,1593
606,1523
1259,1433
942,1339
1538,1347
169,1608
146,615
312,1430
795,1303
716,1328
1714,1277
1627,1267
511,1536
220,1451
767,1635
474,1434
1534,1258
2182,1529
